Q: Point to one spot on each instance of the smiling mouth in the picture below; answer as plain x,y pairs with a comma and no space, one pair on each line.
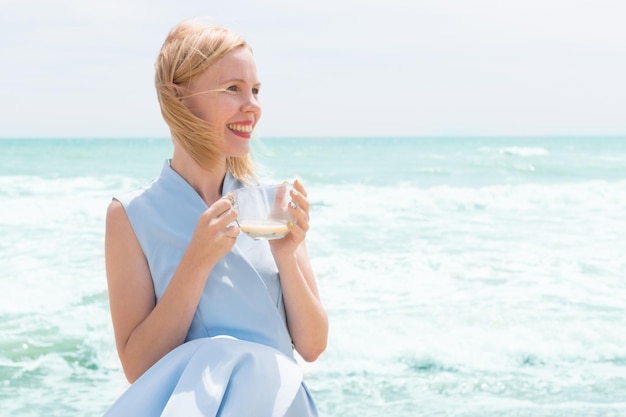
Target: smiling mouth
241,128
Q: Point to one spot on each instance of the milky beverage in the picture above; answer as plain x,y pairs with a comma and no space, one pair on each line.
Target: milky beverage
264,229
263,210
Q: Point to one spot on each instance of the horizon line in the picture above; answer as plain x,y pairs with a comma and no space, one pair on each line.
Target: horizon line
327,137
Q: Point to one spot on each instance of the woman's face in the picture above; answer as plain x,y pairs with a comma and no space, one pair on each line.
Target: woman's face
226,96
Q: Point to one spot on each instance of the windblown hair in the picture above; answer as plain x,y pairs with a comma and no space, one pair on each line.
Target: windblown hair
189,49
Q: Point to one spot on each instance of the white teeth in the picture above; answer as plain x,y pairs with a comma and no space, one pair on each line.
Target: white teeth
241,128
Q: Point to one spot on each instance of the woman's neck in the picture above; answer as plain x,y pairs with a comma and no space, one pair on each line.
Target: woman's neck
208,184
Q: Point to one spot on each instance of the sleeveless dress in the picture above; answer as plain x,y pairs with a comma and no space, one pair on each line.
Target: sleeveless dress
238,358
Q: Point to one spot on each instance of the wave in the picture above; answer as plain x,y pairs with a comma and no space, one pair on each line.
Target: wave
523,151
589,197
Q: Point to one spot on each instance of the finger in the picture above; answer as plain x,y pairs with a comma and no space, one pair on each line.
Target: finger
232,230
230,198
221,220
302,218
297,233
280,197
222,207
300,200
297,185
228,217
218,208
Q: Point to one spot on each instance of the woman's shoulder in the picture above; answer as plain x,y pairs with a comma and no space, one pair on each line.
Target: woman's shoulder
126,197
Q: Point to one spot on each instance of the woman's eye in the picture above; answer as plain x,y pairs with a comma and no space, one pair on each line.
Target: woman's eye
255,91
232,88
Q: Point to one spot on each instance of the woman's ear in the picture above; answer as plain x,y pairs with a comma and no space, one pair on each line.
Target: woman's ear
181,91
178,91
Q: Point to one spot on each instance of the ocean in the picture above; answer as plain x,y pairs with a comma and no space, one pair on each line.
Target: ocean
466,276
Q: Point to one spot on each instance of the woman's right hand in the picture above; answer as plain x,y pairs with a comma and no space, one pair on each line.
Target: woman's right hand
216,232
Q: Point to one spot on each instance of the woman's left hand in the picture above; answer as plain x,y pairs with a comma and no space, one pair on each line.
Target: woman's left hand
306,318
299,206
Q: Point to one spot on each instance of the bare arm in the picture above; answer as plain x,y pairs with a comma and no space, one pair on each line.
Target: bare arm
144,330
306,318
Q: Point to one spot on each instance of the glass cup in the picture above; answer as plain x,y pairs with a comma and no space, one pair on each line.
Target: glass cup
263,210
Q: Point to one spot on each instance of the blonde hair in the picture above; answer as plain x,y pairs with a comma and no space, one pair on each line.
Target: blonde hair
190,48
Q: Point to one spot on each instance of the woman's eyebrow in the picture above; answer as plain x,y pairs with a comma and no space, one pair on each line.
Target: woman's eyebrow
238,80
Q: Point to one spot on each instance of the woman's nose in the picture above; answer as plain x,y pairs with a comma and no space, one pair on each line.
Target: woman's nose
252,104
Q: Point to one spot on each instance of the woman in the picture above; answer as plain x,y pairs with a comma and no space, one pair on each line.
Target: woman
205,318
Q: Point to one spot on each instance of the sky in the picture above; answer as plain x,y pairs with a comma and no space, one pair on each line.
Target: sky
81,68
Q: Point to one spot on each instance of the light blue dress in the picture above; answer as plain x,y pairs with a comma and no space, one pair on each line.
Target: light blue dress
238,358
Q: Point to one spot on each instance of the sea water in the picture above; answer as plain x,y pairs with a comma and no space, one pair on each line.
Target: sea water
462,276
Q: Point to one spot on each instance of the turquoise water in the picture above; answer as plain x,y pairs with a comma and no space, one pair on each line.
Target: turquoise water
462,276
